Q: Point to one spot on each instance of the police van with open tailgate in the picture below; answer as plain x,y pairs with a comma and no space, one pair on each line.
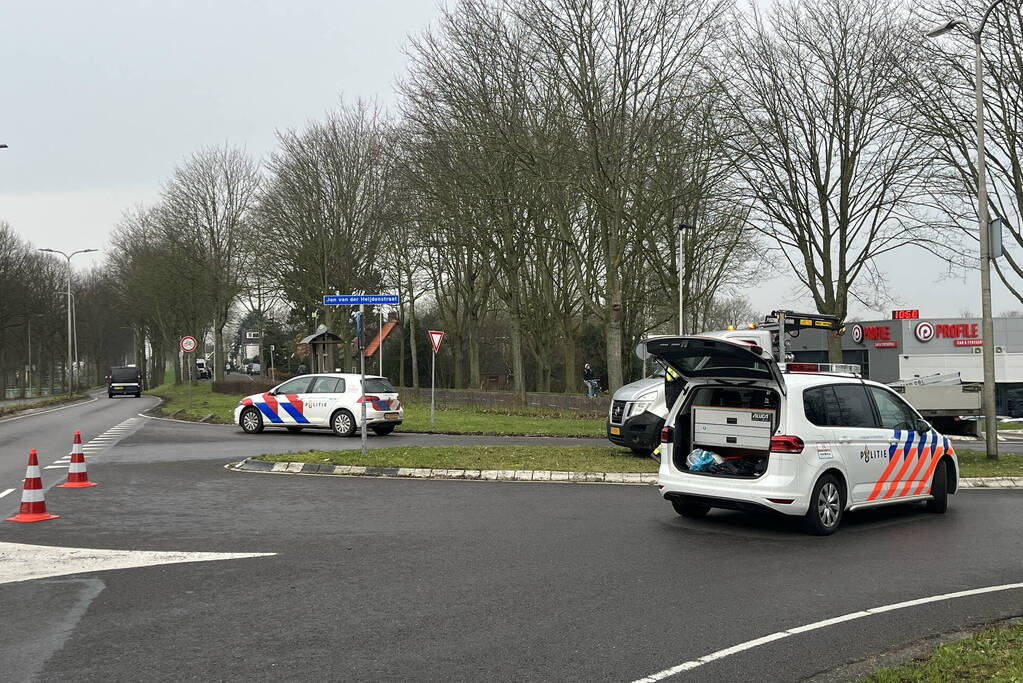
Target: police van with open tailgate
803,439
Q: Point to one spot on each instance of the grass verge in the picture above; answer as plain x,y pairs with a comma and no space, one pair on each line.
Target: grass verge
516,421
41,403
992,655
976,464
203,402
557,458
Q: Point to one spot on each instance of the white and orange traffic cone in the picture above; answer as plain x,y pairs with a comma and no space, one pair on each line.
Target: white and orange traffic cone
33,505
77,476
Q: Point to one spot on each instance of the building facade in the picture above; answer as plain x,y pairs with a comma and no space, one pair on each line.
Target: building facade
892,350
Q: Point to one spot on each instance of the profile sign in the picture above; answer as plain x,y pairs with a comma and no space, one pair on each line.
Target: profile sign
360,300
436,337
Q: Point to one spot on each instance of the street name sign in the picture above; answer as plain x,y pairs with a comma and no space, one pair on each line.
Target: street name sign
359,299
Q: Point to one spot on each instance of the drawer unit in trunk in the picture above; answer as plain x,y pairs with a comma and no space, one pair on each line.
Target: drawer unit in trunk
739,427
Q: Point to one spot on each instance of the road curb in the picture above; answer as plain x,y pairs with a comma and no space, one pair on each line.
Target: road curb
625,478
991,483
630,478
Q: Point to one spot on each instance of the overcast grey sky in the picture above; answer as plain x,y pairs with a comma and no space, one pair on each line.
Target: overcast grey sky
99,100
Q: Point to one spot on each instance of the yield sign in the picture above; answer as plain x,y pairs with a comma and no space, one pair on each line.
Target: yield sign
436,337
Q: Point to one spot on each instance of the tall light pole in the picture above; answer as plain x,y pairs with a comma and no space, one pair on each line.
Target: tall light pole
682,228
988,328
68,371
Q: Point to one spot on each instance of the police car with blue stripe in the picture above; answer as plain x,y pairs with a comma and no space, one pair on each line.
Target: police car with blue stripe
323,401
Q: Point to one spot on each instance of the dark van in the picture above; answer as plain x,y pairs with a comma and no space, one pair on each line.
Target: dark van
124,382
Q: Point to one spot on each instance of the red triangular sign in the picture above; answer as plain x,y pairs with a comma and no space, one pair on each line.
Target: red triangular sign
436,336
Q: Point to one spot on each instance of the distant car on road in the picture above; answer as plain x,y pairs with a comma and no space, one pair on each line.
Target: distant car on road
124,381
252,369
203,368
323,401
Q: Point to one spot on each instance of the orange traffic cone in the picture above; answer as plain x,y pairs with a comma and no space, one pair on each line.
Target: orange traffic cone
33,506
77,477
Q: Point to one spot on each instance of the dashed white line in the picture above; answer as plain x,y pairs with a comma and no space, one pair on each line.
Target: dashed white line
55,467
5,492
750,644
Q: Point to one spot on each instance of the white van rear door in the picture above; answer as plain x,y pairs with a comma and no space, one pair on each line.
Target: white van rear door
707,358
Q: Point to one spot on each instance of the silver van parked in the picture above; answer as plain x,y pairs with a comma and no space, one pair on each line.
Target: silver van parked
637,414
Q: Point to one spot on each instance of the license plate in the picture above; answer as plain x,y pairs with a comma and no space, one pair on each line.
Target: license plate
391,416
118,386
617,431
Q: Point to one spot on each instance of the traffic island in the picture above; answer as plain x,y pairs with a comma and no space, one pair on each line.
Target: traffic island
633,478
597,464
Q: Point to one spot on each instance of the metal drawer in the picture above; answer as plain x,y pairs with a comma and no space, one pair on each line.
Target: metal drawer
740,417
761,443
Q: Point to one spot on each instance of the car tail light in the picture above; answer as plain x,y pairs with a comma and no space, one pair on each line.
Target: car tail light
667,434
786,444
368,399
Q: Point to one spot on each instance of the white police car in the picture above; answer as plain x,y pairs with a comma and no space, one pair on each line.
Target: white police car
747,434
323,401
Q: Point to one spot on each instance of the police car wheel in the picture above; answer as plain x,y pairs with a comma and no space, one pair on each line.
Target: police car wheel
383,430
690,510
251,421
939,489
826,506
342,423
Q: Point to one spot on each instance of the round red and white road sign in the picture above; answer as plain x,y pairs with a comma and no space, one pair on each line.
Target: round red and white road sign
924,331
188,344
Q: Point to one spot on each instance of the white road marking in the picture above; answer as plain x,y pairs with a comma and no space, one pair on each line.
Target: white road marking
22,562
5,492
187,422
750,644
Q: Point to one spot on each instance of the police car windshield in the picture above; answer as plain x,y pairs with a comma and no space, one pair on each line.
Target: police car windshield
379,385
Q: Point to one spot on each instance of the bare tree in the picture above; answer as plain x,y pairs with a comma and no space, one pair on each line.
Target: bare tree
205,210
947,100
329,202
834,171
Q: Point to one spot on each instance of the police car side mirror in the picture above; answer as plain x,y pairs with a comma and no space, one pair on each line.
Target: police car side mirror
923,426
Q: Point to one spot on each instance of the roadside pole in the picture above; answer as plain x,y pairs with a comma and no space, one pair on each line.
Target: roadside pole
188,345
360,300
362,370
436,337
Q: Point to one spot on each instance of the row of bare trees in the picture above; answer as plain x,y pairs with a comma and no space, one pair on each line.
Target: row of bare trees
527,195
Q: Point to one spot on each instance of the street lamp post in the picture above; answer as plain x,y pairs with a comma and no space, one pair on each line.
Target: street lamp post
682,228
988,328
68,371
988,396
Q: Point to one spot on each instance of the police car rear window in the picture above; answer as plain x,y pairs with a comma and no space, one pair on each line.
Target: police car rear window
379,385
838,405
730,364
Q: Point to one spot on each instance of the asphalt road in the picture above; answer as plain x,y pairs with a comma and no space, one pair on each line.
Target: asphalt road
463,580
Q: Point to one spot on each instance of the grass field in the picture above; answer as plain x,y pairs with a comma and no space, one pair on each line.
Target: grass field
976,464
48,402
510,421
557,458
992,655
